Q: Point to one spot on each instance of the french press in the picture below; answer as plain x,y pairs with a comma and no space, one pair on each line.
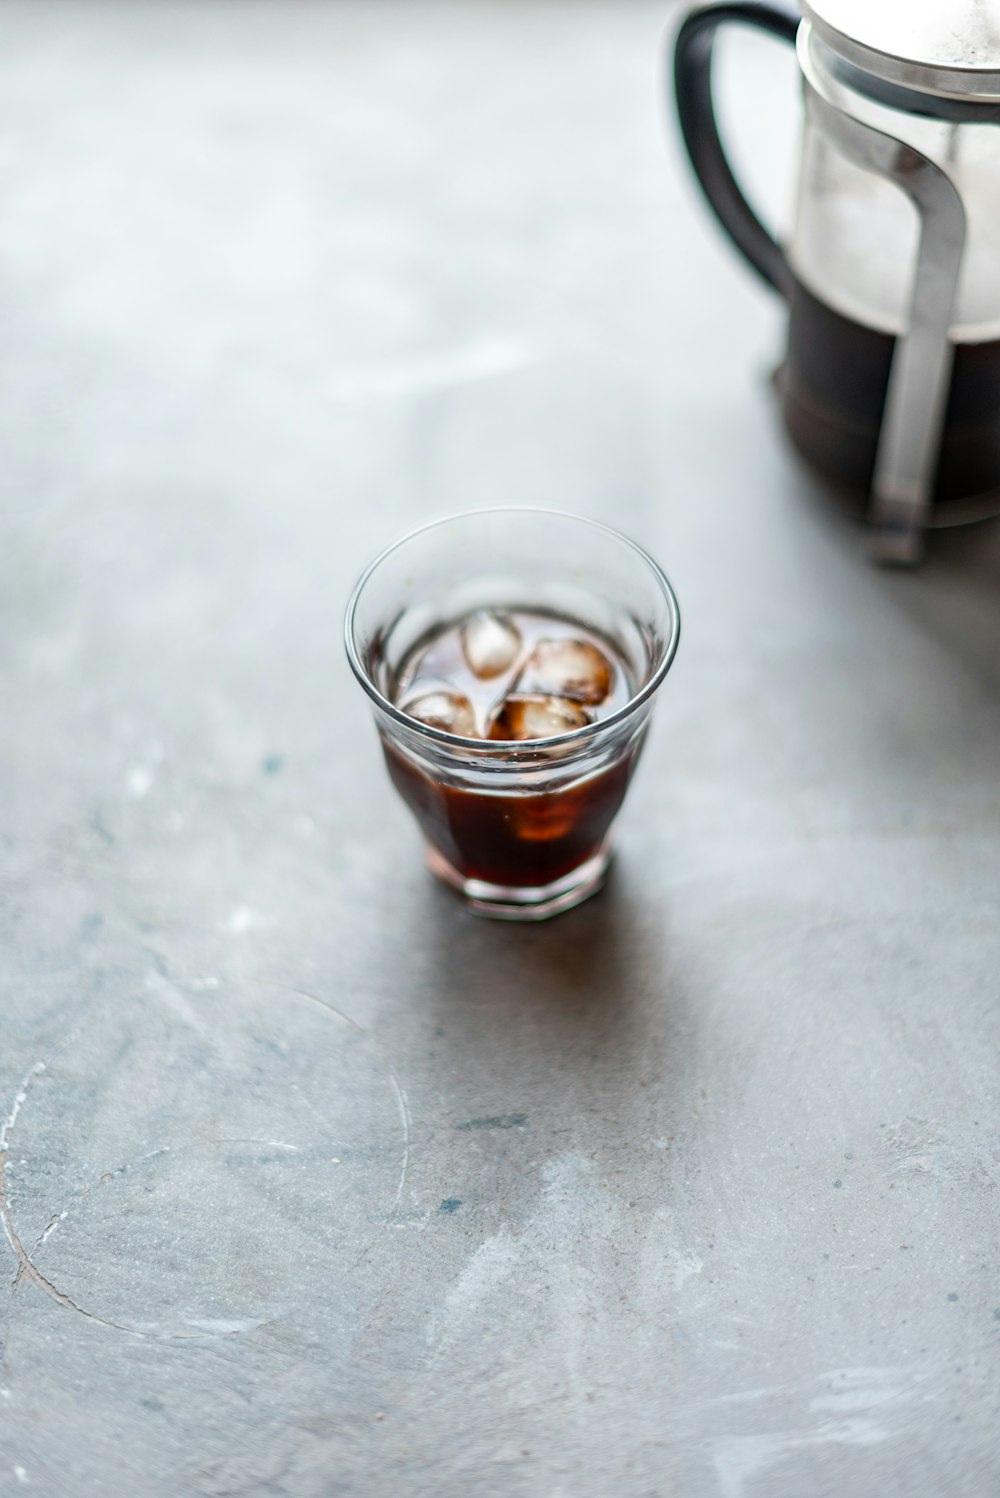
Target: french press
891,380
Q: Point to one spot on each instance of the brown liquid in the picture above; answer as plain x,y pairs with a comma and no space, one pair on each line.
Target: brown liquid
833,385
510,838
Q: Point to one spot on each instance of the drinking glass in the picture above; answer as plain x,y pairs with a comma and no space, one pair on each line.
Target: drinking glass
520,828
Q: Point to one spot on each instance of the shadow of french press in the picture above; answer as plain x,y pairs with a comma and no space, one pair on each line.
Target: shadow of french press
955,597
952,597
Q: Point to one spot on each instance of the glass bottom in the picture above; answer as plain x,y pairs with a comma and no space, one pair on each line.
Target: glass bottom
519,903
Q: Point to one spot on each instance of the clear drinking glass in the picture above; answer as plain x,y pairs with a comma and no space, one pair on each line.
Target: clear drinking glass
520,828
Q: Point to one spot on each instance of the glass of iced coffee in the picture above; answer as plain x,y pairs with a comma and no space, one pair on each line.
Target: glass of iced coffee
511,657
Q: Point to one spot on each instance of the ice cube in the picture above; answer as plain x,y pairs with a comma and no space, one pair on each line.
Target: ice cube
448,710
536,717
568,668
491,643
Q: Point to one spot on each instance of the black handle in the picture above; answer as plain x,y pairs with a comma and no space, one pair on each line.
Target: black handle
693,93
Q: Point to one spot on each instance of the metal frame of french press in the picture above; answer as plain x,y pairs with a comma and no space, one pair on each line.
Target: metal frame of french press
919,376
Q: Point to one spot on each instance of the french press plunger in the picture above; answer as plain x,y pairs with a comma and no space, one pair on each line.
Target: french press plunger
891,380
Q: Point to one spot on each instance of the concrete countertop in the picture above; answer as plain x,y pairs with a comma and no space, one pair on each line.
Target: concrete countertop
312,1183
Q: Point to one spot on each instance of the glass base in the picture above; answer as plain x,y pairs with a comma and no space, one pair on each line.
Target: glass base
517,903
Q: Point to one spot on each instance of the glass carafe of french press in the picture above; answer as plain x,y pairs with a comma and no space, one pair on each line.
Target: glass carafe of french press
891,381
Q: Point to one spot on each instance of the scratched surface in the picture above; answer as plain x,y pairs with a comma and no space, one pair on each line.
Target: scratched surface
311,1184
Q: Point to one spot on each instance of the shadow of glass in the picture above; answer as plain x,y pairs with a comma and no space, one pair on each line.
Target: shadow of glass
537,1050
583,989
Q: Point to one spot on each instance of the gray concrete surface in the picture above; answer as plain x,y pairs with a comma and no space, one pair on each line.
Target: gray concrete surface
315,1185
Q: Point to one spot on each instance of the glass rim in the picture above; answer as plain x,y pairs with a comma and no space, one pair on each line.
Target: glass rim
575,735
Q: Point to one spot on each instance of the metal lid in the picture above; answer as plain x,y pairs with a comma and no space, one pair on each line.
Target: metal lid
949,47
